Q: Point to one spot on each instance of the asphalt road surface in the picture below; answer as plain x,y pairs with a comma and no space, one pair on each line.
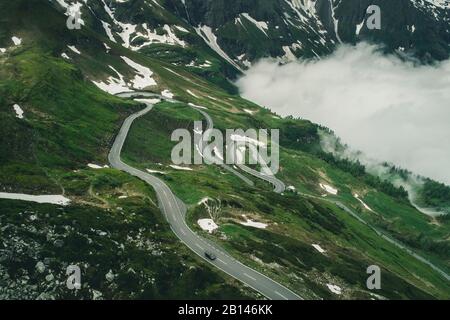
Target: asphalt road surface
382,234
175,211
278,184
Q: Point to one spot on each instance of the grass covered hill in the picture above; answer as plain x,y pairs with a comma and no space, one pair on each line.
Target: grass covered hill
113,227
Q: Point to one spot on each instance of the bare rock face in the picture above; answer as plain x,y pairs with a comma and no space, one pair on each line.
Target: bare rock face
40,267
420,27
247,30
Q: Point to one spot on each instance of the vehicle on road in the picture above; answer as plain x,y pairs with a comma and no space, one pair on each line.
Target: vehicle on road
211,256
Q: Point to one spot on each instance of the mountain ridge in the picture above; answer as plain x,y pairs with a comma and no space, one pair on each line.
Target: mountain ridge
63,81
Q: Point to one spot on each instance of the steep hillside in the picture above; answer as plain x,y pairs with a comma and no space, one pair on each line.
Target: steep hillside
306,28
242,32
59,115
112,228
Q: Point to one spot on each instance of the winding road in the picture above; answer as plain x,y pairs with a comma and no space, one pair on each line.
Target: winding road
380,233
391,240
279,186
175,213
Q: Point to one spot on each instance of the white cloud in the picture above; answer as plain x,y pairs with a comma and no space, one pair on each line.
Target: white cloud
387,108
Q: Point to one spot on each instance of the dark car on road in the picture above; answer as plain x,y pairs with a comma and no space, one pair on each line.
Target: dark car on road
211,256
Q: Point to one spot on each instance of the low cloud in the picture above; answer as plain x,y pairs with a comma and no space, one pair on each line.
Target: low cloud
389,109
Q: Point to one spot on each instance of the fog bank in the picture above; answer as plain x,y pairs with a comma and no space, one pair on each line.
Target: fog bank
389,109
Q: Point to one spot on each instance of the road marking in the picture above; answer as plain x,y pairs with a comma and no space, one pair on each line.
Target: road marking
183,232
245,274
281,295
222,261
199,246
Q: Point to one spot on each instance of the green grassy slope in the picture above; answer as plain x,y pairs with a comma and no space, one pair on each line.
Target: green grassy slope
123,246
285,249
69,123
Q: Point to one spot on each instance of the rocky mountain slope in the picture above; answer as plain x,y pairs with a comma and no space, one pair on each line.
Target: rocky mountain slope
308,28
244,31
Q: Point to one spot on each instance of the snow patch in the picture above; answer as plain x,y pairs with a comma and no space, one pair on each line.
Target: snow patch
192,94
154,36
73,9
362,202
203,201
108,31
261,25
167,94
144,78
17,41
113,85
318,248
19,111
249,111
335,289
254,224
155,171
211,40
196,106
180,168
74,49
289,56
51,199
96,166
207,225
359,27
329,189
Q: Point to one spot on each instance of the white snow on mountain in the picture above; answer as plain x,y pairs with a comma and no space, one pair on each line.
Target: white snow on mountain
113,85
19,111
73,9
207,225
261,25
144,77
16,40
51,199
211,39
74,49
